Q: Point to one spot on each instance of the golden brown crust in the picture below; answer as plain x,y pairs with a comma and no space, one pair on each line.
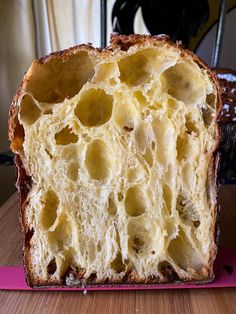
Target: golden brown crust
24,182
76,278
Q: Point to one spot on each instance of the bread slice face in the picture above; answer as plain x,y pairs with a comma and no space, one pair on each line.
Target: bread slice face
115,151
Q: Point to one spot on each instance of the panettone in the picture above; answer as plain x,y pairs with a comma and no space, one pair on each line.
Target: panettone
116,158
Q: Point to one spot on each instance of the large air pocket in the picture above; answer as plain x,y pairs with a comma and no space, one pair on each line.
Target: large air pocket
94,108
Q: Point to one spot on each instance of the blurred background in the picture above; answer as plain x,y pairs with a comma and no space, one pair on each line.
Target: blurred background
30,29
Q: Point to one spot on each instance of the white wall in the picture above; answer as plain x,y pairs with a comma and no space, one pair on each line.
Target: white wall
16,53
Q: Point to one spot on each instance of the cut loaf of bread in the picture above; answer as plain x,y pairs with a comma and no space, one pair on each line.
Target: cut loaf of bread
115,151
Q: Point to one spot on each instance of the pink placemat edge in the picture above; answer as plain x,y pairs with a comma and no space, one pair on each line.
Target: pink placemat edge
12,278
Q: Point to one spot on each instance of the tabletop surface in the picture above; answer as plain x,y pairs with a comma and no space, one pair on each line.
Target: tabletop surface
215,301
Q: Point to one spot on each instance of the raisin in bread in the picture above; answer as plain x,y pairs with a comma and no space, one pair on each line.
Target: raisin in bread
115,151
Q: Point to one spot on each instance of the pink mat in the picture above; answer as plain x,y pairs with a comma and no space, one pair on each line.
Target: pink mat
12,278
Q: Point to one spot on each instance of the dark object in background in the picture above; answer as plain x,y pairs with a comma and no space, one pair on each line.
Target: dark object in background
227,119
7,158
229,269
179,19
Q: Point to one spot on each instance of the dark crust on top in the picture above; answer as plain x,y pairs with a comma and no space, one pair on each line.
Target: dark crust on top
64,54
24,182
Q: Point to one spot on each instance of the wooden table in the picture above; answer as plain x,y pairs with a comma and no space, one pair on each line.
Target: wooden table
137,302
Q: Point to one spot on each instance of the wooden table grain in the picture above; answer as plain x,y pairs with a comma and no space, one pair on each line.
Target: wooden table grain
151,301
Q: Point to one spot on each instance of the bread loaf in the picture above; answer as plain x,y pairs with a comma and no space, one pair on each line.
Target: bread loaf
116,158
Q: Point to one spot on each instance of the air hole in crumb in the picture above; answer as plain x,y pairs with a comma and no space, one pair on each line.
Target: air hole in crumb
98,160
126,115
66,136
166,270
72,172
153,145
207,116
144,137
49,211
128,129
148,157
167,197
196,223
112,209
112,82
60,239
94,108
52,267
137,244
48,153
29,112
139,236
28,236
182,252
92,278
86,137
182,82
210,100
181,147
191,126
99,246
117,237
172,103
152,108
141,98
135,202
120,197
117,264
155,106
48,111
60,77
134,70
